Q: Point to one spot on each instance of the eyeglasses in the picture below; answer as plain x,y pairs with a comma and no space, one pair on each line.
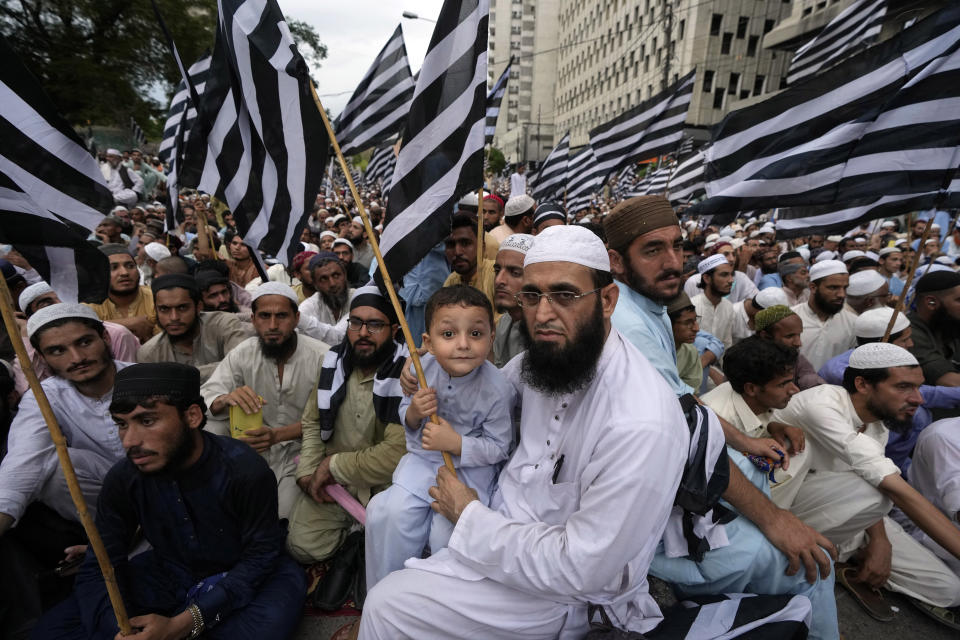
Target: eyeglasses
373,326
556,298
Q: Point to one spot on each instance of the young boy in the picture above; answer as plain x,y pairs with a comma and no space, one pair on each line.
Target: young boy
472,401
683,317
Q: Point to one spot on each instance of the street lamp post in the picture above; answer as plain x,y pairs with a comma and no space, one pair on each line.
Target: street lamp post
410,15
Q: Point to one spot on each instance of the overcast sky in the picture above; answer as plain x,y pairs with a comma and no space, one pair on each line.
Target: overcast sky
354,32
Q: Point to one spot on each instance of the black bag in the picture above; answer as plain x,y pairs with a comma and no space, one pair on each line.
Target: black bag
345,577
603,629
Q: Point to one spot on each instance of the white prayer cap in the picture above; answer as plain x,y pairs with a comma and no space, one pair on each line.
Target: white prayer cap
826,268
568,243
119,207
337,218
880,355
519,242
59,311
899,242
156,251
756,234
888,250
517,205
888,224
864,282
343,241
834,238
770,297
33,292
327,233
934,227
113,152
736,243
931,241
872,323
804,253
768,228
708,245
713,237
873,255
273,288
853,253
711,263
825,255
358,220
727,232
469,200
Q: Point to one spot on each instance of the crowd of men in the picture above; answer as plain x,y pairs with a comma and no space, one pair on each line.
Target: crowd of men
622,392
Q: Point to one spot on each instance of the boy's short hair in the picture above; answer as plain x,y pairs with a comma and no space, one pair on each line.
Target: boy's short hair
457,295
757,361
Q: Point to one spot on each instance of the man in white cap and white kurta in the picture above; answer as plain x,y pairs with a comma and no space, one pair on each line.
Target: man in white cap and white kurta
124,183
510,334
583,501
867,290
855,484
827,326
715,312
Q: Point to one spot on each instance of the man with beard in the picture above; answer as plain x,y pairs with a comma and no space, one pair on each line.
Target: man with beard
781,325
511,337
217,292
125,184
206,505
461,248
273,372
300,269
827,325
322,315
583,500
716,313
189,336
492,214
743,286
936,327
762,551
855,484
344,439
127,303
867,290
362,251
357,275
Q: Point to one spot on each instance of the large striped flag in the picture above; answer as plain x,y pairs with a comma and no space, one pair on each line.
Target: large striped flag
259,143
182,110
550,179
584,180
855,27
380,167
442,154
652,128
378,107
52,194
494,98
657,179
687,182
885,123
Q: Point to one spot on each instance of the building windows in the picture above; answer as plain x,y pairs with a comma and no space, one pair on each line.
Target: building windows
707,81
681,29
734,84
725,44
758,85
768,25
742,25
718,98
752,44
715,23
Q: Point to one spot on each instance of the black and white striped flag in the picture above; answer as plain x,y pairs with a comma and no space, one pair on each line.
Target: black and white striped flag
584,180
139,137
736,615
855,27
380,168
550,180
687,182
626,181
259,143
378,107
883,123
52,194
494,98
652,128
180,103
657,180
442,154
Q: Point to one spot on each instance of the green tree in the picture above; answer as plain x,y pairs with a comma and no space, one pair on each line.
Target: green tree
308,40
495,160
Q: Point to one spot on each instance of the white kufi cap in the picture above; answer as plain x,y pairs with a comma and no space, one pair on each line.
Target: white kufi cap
273,288
156,251
880,355
519,242
770,297
873,323
58,311
826,268
711,263
568,243
864,282
33,292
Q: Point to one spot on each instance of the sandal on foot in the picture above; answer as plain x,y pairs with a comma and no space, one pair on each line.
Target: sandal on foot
949,616
869,598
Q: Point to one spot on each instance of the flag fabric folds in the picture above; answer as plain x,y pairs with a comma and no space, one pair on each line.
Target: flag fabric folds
550,180
182,108
687,182
650,129
884,123
378,107
442,154
52,193
380,167
584,180
259,143
657,179
494,98
855,27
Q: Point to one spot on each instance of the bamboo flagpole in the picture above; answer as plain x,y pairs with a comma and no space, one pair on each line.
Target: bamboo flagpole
901,303
375,245
481,235
96,542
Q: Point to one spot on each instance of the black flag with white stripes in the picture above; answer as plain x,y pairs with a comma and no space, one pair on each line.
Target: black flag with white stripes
378,107
52,194
550,179
650,129
687,182
259,143
855,27
442,154
494,98
584,180
180,103
883,123
380,168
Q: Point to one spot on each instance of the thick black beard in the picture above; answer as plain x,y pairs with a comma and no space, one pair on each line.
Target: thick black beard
189,334
559,371
376,358
337,302
942,324
185,447
831,309
117,292
641,285
901,427
281,351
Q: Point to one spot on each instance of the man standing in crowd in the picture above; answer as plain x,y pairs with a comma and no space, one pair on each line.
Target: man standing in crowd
517,217
127,303
743,286
827,325
492,213
745,311
323,315
125,184
511,338
936,327
715,312
518,181
867,290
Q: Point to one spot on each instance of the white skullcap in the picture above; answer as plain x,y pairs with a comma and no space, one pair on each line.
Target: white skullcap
873,255
337,218
113,152
888,250
709,245
343,241
864,282
517,205
156,251
880,355
58,311
328,233
273,288
770,297
931,241
834,238
755,234
119,207
804,253
825,255
872,323
568,243
711,263
736,243
726,232
853,253
768,228
713,237
519,242
358,220
888,224
826,268
469,200
33,292
934,227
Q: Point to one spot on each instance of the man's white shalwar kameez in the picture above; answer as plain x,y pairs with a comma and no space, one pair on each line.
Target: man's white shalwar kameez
528,566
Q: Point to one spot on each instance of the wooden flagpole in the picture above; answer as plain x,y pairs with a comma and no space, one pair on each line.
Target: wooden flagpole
481,234
375,245
901,303
96,542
